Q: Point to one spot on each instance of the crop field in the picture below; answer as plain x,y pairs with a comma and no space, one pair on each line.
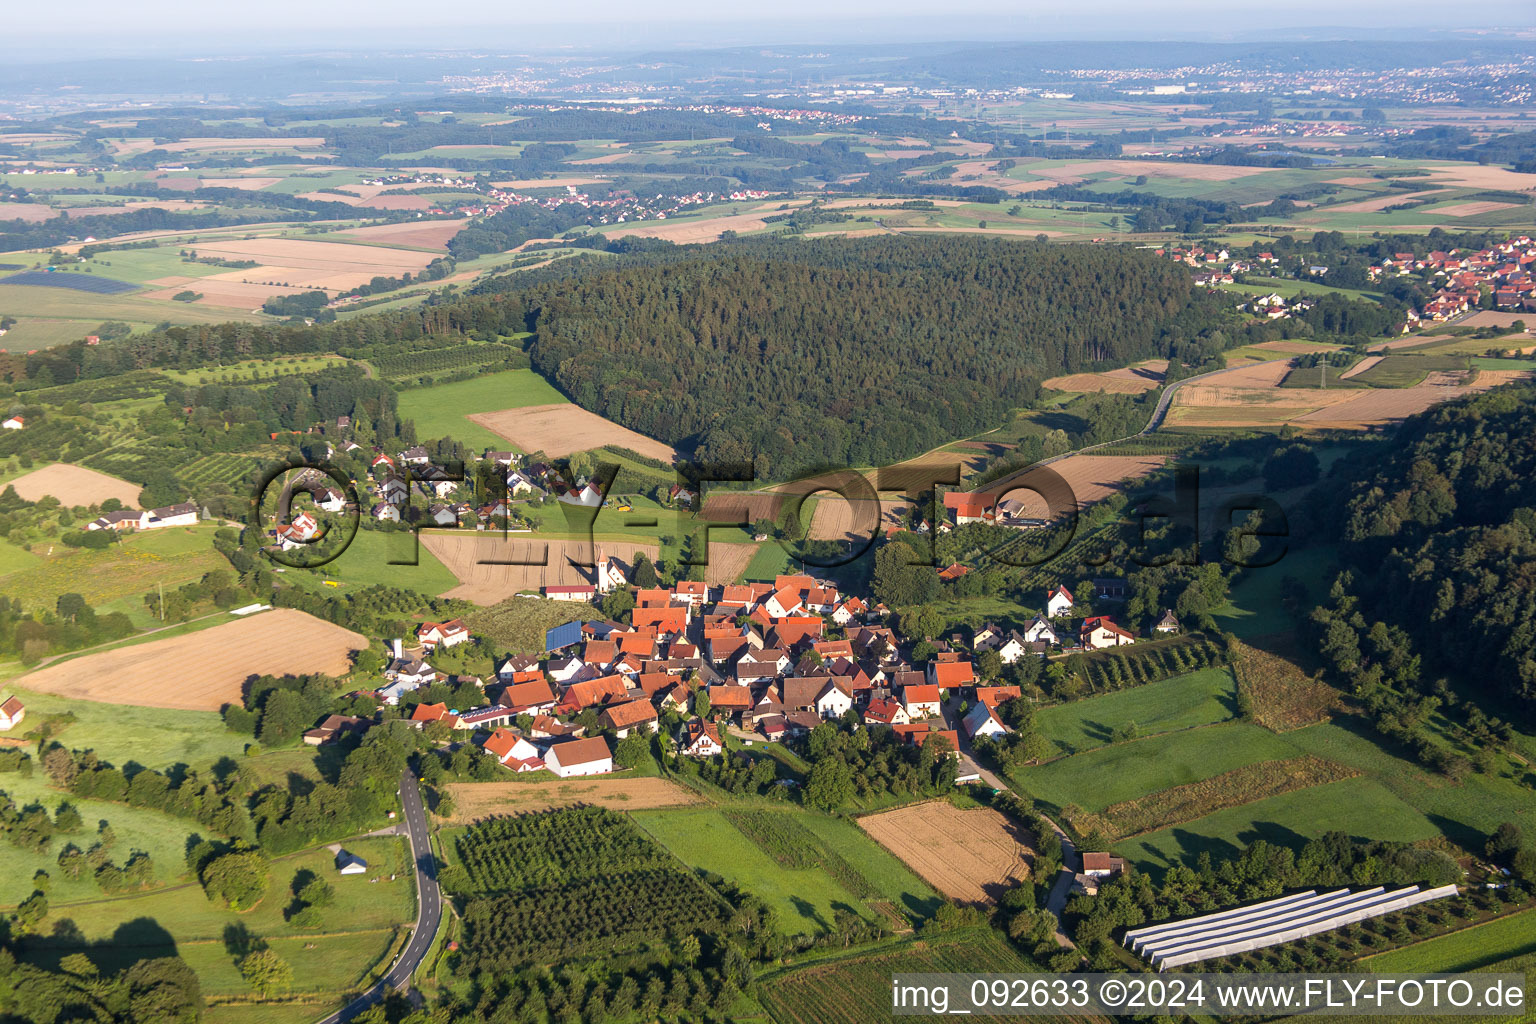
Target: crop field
728,562
857,989
1404,371
1130,380
969,855
567,883
474,801
491,568
75,485
1467,950
1089,478
1128,771
72,281
211,666
562,428
518,624
1194,800
288,265
430,234
804,898
1182,702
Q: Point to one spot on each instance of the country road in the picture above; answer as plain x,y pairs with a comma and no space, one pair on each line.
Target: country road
429,906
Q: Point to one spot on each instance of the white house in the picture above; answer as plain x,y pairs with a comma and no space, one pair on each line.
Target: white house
14,423
1058,602
1100,631
921,700
517,484
1011,649
700,739
590,756
1039,630
433,635
11,713
611,575
834,701
350,863
983,721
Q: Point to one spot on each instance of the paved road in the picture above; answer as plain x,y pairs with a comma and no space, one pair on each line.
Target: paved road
429,906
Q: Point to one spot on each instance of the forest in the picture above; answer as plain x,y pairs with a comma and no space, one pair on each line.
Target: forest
1439,531
801,354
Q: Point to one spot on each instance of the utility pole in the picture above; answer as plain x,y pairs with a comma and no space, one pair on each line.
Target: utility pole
161,587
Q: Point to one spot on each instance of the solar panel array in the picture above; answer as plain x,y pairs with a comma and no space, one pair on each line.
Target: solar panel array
1270,923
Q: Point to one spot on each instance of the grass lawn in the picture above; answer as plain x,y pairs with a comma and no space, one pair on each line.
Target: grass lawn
442,409
14,559
130,569
152,737
1363,808
1199,698
1466,950
1253,608
367,561
878,866
184,915
803,899
1125,771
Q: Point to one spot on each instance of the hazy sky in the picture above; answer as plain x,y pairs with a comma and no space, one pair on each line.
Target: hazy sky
151,26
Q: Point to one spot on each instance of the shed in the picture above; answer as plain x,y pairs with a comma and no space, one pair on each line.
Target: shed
348,863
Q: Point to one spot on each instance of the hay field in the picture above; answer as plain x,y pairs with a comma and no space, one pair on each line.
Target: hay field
973,856
478,561
741,506
1089,478
32,213
203,670
475,801
1255,375
1486,177
1380,202
562,428
75,485
1369,408
1128,381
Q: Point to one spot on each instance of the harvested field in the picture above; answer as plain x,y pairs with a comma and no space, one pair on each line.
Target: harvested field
1488,177
32,213
1361,366
973,856
1089,478
1151,168
433,233
699,229
1102,382
559,182
247,183
1367,408
1493,378
1294,347
1255,375
474,801
1473,209
75,485
1248,784
481,563
728,562
1492,318
562,428
838,518
204,670
1381,202
741,506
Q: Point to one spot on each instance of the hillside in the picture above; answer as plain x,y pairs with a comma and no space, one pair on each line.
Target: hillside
848,352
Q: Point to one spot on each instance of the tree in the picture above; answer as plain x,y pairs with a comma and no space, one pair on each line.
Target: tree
830,784
701,702
267,973
283,717
237,880
644,573
163,989
1506,839
633,750
922,623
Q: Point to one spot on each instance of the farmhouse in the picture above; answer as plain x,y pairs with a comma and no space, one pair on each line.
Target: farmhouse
968,507
577,592
921,700
1167,624
121,520
949,674
184,514
983,721
14,423
579,757
884,711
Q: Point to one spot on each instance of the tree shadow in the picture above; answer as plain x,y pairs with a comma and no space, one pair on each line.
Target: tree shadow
240,941
142,938
804,908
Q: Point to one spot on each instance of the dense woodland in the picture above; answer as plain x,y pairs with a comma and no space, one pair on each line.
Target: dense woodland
800,354
1439,531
